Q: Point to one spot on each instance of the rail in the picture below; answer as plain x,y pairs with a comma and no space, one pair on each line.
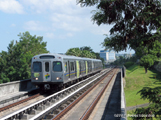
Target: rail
55,99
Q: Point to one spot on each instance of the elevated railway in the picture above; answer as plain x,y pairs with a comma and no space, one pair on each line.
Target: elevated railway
58,105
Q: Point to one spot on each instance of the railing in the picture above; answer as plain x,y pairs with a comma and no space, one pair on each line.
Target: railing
16,86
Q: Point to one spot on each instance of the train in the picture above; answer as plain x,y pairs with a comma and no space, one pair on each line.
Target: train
54,71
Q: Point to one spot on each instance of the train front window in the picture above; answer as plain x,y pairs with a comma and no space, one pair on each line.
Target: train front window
57,66
37,67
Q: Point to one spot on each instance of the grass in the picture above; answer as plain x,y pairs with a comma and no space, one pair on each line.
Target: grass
131,113
136,79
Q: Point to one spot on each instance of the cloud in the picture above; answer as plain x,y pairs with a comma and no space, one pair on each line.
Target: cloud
62,15
69,34
77,23
64,36
100,30
13,25
34,26
11,6
41,6
49,35
66,22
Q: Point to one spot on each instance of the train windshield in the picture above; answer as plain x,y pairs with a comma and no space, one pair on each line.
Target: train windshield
37,67
57,66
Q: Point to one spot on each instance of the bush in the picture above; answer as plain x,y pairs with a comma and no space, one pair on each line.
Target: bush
128,64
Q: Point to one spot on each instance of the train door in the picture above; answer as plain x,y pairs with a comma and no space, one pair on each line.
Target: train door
46,71
92,66
86,65
80,72
77,66
66,70
72,69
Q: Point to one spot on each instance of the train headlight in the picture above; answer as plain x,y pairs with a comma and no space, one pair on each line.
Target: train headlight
58,78
36,78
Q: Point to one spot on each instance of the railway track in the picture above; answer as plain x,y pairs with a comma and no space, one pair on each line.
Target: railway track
86,106
29,98
57,102
19,102
88,112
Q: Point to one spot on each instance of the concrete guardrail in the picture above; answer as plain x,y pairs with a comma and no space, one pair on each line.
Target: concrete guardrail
16,86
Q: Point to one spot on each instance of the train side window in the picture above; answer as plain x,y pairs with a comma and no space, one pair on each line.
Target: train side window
47,66
37,66
75,68
66,66
82,65
57,66
71,66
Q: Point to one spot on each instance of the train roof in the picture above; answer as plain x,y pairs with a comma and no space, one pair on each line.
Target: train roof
66,56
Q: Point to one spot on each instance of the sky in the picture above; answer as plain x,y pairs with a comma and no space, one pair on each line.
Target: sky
62,23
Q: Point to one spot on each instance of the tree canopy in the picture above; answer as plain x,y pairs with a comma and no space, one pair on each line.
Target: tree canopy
134,21
82,52
136,25
16,62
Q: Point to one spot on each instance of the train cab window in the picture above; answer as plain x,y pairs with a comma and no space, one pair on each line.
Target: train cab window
57,66
37,66
47,66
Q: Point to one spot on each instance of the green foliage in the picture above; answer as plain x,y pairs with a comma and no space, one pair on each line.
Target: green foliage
82,52
152,94
154,97
121,60
149,54
128,64
136,24
86,48
133,21
141,88
74,52
15,64
147,61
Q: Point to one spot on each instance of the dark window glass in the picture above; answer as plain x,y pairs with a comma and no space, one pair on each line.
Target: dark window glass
57,66
47,57
71,66
47,66
82,65
37,66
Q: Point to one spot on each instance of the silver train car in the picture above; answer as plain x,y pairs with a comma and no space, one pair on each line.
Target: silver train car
52,71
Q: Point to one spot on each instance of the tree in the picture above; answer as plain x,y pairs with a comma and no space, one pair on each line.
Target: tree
148,54
86,48
88,54
74,52
133,21
16,63
82,52
154,97
136,25
147,61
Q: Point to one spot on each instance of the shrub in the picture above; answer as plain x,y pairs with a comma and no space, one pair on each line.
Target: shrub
128,64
